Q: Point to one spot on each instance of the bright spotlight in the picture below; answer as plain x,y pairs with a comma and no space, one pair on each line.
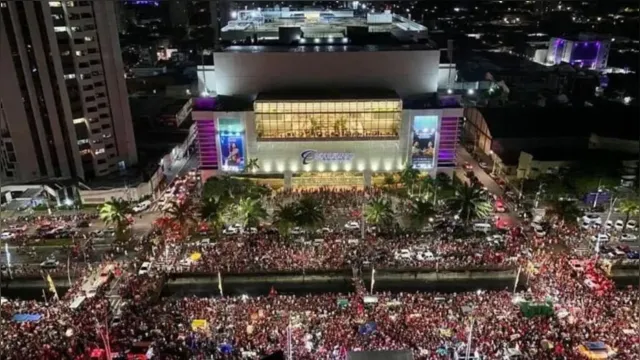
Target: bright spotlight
470,92
449,91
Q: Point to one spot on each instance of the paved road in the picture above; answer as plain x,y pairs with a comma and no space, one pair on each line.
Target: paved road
509,218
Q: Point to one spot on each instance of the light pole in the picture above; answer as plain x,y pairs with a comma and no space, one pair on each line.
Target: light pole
595,200
537,200
604,227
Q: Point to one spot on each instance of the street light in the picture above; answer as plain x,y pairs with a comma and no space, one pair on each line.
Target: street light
604,227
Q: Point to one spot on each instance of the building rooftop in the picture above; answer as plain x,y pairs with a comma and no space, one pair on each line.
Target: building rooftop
312,48
328,94
616,121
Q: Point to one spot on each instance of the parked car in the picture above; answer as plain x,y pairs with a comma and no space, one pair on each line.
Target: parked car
632,225
144,268
600,238
142,206
619,225
628,237
49,264
352,225
592,218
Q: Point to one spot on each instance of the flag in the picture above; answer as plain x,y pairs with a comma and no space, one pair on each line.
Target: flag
220,283
52,286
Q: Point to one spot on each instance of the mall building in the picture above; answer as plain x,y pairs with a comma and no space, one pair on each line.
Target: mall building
327,112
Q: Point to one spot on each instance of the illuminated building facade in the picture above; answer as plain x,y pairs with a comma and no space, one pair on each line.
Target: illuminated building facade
327,118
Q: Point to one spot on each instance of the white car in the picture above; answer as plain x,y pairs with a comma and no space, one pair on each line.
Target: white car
425,256
628,237
231,230
324,230
352,225
619,225
142,206
144,268
603,238
585,225
539,231
592,218
49,264
403,254
608,225
297,231
631,225
7,235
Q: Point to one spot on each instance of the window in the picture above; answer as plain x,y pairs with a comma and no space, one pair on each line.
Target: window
109,146
99,151
105,126
101,161
55,3
83,141
339,119
60,28
89,38
69,76
95,131
85,76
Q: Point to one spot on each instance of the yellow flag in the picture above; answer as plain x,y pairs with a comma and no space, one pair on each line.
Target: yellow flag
52,286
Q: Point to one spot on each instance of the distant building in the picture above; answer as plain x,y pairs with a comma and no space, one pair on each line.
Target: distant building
551,137
587,51
64,109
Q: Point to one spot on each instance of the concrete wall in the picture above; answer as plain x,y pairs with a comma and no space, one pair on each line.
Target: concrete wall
406,72
130,194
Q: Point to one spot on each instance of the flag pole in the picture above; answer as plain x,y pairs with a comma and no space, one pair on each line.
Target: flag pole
515,285
44,295
289,339
220,283
373,279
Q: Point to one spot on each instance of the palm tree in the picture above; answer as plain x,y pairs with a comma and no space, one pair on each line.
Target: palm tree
565,211
211,212
630,207
183,214
426,187
470,204
250,212
252,165
285,217
378,211
409,176
388,180
115,212
309,213
421,213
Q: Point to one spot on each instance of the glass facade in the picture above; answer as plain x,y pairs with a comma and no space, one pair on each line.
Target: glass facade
328,119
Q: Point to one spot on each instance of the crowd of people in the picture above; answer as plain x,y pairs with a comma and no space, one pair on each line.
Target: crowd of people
264,252
491,324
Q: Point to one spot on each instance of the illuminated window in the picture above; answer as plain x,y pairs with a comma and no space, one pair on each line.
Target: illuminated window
99,151
60,28
69,76
55,3
330,120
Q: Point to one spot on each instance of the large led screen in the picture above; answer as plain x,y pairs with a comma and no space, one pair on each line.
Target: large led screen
423,145
231,140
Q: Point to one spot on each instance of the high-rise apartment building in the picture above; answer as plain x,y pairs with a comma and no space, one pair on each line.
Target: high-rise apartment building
64,108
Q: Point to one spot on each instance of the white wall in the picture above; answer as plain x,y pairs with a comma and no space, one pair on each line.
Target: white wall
381,155
206,79
447,74
406,72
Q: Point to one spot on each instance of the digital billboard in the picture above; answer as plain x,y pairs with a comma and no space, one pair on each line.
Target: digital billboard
231,140
423,146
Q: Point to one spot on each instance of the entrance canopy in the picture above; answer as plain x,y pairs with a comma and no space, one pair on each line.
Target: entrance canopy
380,355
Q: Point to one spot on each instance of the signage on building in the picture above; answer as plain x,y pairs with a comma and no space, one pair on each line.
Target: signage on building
309,156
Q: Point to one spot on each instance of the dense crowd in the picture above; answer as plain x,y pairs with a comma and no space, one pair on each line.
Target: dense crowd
326,326
344,250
